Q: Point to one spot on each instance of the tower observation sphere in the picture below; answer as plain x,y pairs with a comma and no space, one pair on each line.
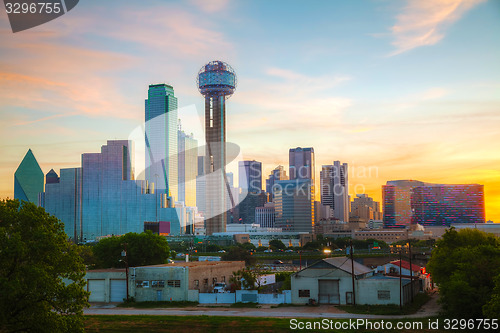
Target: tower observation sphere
216,79
216,82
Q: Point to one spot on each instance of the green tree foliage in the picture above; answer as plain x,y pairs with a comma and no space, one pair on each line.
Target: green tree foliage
261,249
243,279
35,257
464,264
276,244
247,246
239,254
142,249
492,308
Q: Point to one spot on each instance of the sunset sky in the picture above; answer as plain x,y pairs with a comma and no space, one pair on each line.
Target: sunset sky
409,89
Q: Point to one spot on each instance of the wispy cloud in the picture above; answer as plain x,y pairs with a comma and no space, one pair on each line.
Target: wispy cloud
211,6
424,22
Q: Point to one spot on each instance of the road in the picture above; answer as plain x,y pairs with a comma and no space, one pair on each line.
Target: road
431,308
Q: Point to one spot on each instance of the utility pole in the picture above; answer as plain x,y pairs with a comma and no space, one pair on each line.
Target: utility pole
125,255
411,271
400,282
352,276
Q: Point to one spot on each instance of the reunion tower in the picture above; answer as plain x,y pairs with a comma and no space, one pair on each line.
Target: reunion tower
216,82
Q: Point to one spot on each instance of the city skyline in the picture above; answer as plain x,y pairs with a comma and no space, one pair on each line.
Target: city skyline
372,95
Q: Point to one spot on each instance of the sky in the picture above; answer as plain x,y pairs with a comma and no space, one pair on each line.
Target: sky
396,89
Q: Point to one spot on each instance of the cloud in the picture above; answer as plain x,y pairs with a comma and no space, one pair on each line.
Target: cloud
424,22
211,6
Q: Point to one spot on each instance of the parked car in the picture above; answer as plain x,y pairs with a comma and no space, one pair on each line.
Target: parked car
221,251
268,250
289,251
220,287
278,262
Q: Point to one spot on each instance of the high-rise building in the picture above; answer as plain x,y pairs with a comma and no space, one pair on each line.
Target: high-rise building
28,179
250,176
442,205
201,186
294,205
187,168
334,189
216,82
161,121
396,201
364,208
51,177
279,173
301,161
264,216
246,208
101,198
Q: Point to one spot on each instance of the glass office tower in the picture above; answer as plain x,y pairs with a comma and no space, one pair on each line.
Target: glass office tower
442,205
187,168
294,205
161,128
28,179
101,198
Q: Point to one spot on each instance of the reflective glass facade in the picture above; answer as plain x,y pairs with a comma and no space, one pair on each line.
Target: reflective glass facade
442,205
294,205
28,179
187,168
161,139
101,198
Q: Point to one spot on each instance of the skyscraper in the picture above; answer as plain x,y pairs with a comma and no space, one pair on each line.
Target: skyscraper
201,201
161,139
279,173
294,205
187,168
301,161
250,176
396,201
28,179
216,82
101,198
365,208
334,189
442,205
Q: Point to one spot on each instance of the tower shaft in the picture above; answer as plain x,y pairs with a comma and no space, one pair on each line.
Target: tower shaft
215,163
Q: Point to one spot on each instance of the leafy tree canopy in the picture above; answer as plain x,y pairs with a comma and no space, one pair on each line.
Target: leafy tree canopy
35,257
142,249
464,264
238,253
276,244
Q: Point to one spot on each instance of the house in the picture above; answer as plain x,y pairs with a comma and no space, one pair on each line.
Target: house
417,272
329,281
181,281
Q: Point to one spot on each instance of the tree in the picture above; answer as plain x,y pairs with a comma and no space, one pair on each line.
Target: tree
492,308
464,264
238,253
247,246
35,257
142,249
276,244
243,279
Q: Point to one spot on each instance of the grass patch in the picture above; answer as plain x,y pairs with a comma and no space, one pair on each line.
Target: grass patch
418,301
208,324
163,304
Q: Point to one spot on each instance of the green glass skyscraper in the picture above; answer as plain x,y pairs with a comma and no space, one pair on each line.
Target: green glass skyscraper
161,122
28,179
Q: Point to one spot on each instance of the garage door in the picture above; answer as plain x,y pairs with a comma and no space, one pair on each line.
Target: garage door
118,290
329,292
96,288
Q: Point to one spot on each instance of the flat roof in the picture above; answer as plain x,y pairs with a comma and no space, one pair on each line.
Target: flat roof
195,264
107,270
